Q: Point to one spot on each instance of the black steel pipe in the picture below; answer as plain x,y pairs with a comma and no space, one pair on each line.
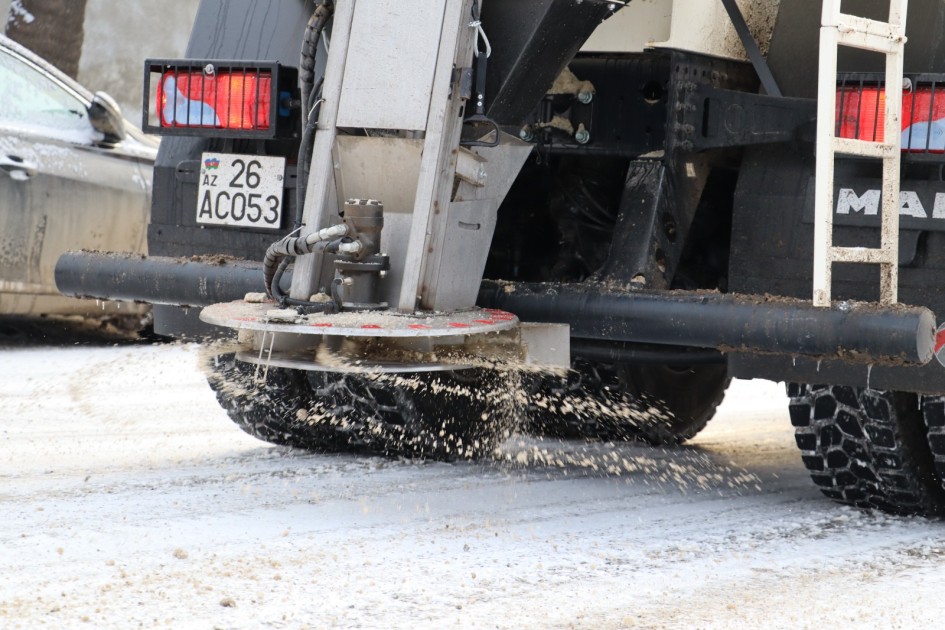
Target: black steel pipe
193,281
609,352
855,332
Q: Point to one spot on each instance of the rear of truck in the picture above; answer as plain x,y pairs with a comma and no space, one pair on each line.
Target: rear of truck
643,172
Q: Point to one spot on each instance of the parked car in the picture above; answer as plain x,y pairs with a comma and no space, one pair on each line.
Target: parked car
74,175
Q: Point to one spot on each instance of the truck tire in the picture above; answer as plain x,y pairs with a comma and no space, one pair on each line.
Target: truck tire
267,413
433,415
933,411
865,447
659,405
691,395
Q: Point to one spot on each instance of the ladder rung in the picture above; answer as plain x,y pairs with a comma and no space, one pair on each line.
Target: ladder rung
859,255
867,34
848,146
889,38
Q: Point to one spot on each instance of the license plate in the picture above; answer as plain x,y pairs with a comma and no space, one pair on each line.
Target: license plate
240,190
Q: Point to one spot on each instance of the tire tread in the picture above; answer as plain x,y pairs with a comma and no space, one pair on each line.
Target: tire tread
865,447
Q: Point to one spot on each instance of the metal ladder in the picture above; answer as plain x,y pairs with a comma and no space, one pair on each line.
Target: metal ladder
839,29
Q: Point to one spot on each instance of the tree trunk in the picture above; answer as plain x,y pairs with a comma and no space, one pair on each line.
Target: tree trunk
53,29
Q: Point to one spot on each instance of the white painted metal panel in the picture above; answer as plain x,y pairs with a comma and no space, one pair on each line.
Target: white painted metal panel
703,26
632,28
392,54
320,198
459,242
386,169
438,163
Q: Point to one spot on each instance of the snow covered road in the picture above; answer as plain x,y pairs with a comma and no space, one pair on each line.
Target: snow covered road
127,499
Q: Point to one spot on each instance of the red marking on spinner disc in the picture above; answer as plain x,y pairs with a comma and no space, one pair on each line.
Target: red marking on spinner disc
939,340
371,327
491,322
322,325
246,319
459,325
503,317
418,327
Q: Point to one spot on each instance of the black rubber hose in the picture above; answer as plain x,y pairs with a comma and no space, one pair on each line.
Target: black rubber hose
305,151
309,307
273,286
277,259
278,255
288,246
313,33
311,92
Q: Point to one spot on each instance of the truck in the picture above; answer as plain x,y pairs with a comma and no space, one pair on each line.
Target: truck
418,226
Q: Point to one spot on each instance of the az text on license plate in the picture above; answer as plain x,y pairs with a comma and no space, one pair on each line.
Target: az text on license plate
240,190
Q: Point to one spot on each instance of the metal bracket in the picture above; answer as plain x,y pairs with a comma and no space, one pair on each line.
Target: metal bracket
728,118
751,47
463,77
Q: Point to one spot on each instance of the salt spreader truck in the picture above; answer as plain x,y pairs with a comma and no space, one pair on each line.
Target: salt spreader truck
389,200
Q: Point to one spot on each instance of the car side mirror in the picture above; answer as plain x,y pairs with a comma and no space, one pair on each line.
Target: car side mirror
105,116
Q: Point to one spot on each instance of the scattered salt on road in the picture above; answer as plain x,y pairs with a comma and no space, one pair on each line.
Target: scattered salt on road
129,499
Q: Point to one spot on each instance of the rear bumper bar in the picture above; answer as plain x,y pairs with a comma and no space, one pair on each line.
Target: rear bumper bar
852,332
194,281
862,333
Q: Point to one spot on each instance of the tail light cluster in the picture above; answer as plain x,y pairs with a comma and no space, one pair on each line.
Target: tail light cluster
861,112
222,99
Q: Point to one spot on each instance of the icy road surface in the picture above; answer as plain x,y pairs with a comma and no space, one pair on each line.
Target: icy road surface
128,499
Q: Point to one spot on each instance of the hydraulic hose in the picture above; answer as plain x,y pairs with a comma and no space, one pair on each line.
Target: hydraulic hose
279,253
311,98
330,306
292,246
313,32
312,111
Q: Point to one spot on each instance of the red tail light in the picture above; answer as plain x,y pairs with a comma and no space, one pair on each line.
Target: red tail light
238,99
861,115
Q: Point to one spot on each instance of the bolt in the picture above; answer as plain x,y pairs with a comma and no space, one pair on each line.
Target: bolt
526,134
585,96
209,69
582,135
